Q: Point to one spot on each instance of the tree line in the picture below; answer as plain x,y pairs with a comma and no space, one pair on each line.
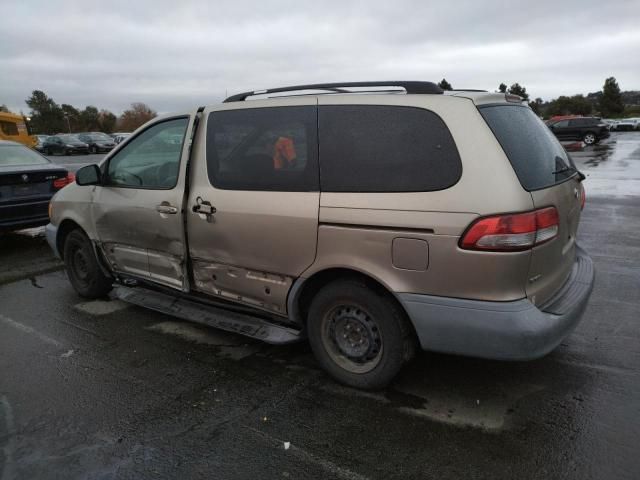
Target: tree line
49,118
609,102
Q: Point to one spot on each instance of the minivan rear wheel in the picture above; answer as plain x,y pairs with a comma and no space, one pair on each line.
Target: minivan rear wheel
590,138
361,337
82,267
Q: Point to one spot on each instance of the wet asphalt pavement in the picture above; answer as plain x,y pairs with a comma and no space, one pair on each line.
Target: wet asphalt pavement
102,390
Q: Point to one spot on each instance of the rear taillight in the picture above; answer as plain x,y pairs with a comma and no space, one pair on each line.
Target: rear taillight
583,198
58,183
512,232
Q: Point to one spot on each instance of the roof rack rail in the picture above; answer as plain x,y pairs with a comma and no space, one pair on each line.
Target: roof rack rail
409,86
467,90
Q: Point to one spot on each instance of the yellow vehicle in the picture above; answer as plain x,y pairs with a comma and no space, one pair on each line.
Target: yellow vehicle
14,127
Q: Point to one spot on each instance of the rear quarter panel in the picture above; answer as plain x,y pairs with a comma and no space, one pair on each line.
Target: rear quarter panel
357,229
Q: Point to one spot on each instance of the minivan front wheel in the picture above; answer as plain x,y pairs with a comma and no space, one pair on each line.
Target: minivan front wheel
360,336
589,138
82,267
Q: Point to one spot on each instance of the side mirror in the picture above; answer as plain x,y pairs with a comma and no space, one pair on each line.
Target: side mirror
89,175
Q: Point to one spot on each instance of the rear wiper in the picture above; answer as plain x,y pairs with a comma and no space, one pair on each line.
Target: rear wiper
569,168
566,168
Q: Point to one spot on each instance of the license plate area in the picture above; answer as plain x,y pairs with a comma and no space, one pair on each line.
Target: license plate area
24,190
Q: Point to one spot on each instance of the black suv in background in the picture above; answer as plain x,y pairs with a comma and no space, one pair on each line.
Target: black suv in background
588,129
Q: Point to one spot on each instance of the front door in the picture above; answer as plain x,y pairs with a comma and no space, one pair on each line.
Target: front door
138,209
253,205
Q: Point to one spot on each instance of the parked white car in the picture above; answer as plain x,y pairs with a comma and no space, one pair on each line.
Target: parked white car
627,124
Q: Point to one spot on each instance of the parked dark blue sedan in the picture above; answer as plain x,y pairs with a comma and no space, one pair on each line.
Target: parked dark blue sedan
27,182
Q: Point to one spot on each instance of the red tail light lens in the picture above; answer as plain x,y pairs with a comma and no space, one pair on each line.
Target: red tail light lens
583,198
58,183
512,232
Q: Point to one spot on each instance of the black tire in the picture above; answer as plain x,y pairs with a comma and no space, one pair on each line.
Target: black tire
48,152
361,337
66,153
82,267
590,138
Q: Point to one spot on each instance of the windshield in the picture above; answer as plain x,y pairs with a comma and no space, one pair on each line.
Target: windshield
69,138
11,155
99,136
533,150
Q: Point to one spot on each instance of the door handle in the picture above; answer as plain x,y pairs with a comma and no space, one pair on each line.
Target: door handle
204,207
166,208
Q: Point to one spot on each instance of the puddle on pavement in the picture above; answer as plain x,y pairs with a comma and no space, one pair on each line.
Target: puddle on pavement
227,345
487,412
101,307
612,167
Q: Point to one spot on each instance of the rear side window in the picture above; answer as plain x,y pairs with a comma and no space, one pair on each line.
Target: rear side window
376,148
583,122
273,149
534,152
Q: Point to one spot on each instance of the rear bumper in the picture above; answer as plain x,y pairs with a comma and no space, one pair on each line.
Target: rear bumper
515,330
24,214
23,223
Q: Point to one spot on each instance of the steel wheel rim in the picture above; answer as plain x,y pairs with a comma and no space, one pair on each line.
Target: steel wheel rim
589,139
352,338
80,266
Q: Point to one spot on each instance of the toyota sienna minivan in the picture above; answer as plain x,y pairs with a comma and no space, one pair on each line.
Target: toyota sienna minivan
371,222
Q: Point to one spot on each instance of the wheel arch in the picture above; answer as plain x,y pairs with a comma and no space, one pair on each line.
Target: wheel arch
64,229
304,289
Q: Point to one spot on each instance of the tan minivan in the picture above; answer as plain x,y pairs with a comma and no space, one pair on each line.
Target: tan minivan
370,221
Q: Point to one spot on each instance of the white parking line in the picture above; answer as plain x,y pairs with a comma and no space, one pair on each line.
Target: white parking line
331,468
27,329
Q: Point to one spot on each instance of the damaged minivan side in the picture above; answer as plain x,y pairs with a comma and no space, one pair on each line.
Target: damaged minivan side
372,223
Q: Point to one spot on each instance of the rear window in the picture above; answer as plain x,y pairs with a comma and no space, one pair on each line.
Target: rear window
534,152
14,155
376,148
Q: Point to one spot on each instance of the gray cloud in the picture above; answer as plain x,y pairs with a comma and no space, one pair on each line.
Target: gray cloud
176,55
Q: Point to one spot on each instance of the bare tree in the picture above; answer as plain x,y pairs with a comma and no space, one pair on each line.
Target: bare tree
137,115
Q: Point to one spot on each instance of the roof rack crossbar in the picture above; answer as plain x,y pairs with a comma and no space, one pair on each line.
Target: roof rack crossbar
409,86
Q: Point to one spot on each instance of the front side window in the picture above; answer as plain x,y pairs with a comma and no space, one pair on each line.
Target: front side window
561,124
377,148
151,159
272,149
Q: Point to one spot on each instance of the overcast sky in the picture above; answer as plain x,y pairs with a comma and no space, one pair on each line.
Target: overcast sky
179,54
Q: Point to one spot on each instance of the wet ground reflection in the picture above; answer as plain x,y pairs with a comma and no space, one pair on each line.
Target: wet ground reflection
613,166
